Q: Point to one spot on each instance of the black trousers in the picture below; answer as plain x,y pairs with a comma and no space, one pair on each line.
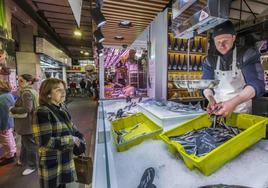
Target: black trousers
28,154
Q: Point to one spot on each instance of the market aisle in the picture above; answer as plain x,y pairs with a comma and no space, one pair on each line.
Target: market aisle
83,112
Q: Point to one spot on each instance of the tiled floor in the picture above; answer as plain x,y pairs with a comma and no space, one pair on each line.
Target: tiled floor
83,112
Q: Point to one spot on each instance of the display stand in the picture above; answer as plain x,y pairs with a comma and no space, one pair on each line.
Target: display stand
185,59
114,169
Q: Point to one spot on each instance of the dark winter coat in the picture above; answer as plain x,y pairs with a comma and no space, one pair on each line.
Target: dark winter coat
53,132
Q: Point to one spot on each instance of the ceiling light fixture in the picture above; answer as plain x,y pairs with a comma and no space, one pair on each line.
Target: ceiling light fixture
81,52
119,37
77,33
98,17
86,54
125,23
98,35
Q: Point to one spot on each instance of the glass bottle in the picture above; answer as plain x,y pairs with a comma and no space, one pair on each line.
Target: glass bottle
193,47
200,47
176,46
169,22
179,63
200,63
184,64
195,64
169,62
169,42
182,47
174,64
190,63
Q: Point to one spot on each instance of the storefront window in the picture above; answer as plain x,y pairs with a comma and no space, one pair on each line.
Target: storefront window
125,73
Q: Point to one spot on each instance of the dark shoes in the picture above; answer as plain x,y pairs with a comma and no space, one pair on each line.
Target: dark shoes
6,161
147,179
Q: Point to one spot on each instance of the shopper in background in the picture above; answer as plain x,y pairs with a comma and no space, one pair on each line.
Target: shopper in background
129,91
73,88
22,112
55,135
89,85
83,86
239,70
6,124
95,88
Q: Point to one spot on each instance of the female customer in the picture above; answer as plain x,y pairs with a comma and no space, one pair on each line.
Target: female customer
22,112
6,124
55,136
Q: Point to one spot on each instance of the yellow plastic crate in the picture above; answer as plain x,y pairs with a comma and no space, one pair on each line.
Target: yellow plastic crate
147,129
255,129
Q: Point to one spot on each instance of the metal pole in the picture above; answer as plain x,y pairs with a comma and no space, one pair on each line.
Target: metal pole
188,54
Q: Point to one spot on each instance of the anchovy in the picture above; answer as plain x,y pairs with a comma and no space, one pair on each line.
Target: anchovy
202,141
122,133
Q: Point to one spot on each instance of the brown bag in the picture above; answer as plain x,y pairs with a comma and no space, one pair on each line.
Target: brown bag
83,168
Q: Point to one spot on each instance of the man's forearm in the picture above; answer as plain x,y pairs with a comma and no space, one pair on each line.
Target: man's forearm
246,94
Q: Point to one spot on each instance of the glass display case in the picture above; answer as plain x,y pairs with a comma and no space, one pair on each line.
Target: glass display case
126,169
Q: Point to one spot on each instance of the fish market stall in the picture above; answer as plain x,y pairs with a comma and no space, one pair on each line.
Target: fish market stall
151,161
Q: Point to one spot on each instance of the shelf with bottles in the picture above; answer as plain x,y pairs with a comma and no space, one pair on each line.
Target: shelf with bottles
197,44
184,94
178,62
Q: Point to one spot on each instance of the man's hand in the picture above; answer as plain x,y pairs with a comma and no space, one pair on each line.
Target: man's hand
225,108
212,105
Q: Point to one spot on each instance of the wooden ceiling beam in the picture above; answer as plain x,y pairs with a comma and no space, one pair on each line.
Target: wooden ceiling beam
134,21
123,11
134,5
116,22
64,25
59,16
109,29
112,35
123,15
53,2
53,20
56,8
127,8
146,3
128,17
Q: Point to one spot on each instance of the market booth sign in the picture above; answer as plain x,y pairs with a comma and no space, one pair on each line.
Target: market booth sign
44,47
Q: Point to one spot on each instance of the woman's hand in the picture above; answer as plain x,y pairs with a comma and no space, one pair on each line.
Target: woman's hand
76,141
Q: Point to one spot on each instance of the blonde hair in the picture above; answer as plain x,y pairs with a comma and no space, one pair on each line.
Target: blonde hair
5,86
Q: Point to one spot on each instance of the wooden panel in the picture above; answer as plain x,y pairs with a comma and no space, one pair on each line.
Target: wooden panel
134,4
54,8
140,13
54,2
59,16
